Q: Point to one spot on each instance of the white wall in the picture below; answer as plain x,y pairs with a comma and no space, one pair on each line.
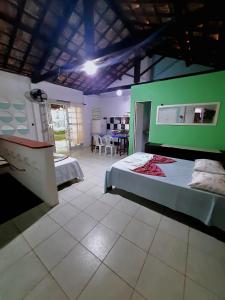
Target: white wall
113,105
59,92
13,87
91,102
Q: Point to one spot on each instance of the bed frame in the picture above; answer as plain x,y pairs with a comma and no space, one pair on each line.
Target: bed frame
185,153
171,191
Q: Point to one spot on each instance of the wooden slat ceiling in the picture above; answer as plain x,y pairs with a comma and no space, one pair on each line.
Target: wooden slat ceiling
39,36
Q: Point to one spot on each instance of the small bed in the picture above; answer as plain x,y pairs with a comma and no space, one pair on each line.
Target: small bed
67,168
171,191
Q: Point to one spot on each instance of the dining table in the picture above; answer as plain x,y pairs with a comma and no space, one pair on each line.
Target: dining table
122,143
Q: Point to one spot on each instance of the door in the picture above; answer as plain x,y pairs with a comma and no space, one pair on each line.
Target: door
60,128
141,125
75,126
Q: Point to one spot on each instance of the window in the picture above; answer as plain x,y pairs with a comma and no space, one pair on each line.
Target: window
75,124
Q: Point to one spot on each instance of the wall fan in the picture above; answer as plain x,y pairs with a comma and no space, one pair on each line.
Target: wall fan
37,95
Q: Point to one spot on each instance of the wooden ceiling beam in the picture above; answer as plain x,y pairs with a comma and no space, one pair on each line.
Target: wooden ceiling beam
20,10
69,7
118,11
137,69
121,53
89,30
152,65
35,34
108,90
29,30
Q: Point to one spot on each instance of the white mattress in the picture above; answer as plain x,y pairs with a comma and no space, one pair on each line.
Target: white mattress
67,169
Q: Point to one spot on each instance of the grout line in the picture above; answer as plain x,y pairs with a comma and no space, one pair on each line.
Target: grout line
185,274
147,254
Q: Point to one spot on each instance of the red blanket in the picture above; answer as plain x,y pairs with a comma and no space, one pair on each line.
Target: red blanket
150,168
158,159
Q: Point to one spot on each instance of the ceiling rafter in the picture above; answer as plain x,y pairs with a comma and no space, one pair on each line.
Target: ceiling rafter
115,7
118,25
35,35
69,7
88,18
29,30
20,10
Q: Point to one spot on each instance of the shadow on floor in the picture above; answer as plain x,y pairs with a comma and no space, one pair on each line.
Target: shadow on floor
15,198
178,216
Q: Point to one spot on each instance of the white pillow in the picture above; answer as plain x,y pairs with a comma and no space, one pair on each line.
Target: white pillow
209,166
209,182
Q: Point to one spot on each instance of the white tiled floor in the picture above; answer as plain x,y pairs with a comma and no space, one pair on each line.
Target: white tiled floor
96,246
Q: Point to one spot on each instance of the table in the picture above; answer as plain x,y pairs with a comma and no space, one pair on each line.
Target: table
122,143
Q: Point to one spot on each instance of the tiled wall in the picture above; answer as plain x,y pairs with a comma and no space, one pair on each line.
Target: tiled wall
118,123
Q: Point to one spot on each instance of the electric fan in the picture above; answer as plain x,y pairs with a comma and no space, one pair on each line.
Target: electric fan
37,95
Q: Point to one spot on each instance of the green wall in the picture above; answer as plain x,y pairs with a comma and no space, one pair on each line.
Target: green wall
192,89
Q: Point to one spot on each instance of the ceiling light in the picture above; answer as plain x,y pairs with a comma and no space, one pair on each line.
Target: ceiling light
119,93
90,68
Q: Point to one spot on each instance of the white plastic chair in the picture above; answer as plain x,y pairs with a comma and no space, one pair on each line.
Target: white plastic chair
98,143
109,144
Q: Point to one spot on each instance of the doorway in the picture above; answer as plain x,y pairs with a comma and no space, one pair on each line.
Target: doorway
60,128
141,125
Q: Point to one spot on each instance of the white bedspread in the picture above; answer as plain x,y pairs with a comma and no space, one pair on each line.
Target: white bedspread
67,169
137,160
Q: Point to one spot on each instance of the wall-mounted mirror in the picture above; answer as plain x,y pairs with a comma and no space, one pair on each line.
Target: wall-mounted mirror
188,114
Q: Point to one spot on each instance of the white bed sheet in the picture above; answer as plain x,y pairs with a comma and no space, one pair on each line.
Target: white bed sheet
67,169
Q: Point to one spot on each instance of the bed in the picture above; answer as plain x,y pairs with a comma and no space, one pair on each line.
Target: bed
171,191
66,169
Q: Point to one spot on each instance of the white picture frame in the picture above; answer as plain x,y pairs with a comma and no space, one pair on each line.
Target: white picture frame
167,114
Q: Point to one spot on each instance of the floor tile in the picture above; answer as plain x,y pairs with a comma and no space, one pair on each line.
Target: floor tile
139,233
83,201
70,193
96,192
56,207
116,220
52,250
110,199
126,260
47,289
12,251
179,230
100,240
80,225
75,270
207,271
127,206
137,296
40,231
84,186
106,285
159,282
194,291
21,277
207,243
8,231
98,210
64,214
170,250
148,216
28,218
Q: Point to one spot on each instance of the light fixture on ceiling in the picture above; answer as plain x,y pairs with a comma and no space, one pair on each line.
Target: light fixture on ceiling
90,67
119,93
